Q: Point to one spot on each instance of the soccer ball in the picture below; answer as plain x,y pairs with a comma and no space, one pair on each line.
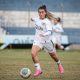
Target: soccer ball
25,73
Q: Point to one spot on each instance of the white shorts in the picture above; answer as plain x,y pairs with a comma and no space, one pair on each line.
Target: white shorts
48,46
57,40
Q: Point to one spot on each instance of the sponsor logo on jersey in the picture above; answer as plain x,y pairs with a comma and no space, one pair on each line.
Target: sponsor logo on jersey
39,28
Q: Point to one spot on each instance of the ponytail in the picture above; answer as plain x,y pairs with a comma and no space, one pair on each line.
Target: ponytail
48,14
58,19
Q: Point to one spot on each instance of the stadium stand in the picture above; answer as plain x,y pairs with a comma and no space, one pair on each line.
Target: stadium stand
14,16
73,34
2,31
53,5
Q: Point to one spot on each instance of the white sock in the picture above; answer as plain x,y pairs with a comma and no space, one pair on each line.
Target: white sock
58,63
37,65
62,47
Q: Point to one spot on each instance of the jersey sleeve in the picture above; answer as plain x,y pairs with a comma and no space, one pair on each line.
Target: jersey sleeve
48,26
59,29
47,33
35,19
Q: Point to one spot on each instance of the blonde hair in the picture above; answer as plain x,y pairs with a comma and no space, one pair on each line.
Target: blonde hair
48,14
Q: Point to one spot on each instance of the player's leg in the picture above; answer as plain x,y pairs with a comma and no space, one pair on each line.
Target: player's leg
50,49
54,41
54,45
61,47
55,57
59,43
34,51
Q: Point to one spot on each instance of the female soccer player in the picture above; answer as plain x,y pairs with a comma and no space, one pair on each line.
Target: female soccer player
56,36
42,39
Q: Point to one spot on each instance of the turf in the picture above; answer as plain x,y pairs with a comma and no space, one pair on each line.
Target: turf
12,61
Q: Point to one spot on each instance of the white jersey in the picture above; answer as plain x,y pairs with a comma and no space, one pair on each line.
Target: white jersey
42,26
58,29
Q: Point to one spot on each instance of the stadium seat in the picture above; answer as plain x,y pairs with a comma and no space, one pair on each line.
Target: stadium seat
22,5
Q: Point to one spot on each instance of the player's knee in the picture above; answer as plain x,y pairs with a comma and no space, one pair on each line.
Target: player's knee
53,56
33,54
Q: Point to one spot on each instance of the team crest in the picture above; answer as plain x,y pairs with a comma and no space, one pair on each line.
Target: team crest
43,23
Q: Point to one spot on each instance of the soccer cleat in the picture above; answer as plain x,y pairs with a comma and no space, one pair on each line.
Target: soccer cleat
37,72
61,69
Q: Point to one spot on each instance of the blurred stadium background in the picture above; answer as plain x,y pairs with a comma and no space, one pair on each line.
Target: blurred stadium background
15,20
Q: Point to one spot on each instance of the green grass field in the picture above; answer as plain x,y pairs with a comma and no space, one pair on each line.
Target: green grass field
12,61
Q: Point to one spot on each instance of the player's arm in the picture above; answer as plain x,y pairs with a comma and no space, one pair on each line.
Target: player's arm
59,29
46,34
34,19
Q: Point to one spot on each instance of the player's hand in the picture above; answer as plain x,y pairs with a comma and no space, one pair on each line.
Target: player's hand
31,19
54,30
41,35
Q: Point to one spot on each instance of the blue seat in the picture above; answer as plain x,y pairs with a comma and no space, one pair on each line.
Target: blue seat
52,5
